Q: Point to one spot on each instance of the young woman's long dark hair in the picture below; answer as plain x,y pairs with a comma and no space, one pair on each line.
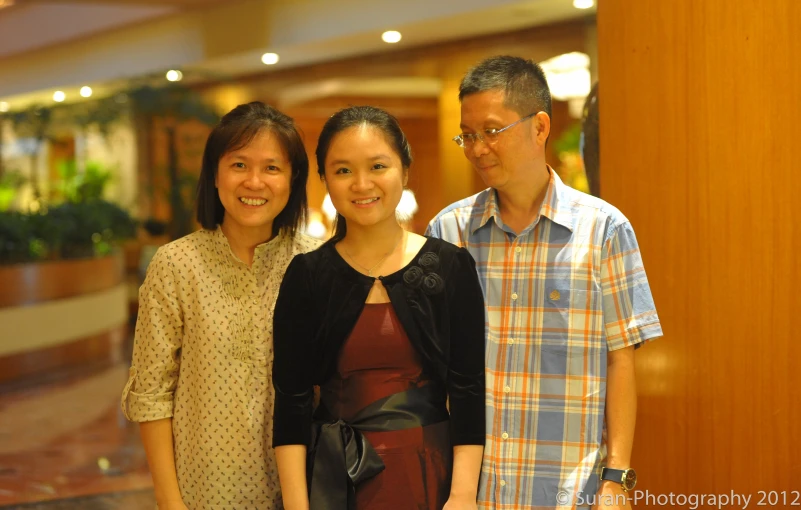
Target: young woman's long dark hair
357,116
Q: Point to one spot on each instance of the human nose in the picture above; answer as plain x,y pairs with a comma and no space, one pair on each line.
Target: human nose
255,180
479,147
361,181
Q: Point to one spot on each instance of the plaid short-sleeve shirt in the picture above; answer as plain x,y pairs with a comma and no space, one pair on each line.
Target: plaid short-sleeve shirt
559,296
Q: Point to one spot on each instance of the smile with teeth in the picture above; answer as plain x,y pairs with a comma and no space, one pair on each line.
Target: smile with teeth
252,201
365,201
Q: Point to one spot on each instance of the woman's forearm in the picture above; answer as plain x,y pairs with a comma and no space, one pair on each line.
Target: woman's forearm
466,471
158,442
291,461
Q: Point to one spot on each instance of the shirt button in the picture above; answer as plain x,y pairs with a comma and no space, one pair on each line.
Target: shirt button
507,389
514,296
505,436
518,249
511,341
503,483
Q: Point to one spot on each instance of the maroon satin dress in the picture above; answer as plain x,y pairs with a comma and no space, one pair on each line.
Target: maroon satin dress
376,361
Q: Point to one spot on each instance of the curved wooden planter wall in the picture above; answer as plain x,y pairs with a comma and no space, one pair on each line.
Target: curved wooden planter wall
57,315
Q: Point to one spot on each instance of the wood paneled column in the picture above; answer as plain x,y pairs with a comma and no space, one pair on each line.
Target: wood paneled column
700,104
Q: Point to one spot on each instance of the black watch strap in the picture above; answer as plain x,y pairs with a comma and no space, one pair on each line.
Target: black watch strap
627,478
613,475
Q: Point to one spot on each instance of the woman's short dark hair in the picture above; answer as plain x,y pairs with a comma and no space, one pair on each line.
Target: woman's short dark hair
237,129
357,116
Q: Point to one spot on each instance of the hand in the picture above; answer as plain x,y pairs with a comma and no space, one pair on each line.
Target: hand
460,503
611,496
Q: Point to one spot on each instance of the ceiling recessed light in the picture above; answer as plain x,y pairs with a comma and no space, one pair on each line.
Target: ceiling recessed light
173,75
583,4
59,96
86,91
270,58
3,106
391,36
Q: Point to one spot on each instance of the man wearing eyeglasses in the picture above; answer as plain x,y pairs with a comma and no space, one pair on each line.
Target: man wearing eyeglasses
567,303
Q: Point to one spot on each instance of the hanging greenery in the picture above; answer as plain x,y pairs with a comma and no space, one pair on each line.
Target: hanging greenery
141,100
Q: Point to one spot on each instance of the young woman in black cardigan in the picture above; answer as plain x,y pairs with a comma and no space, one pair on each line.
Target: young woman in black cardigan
390,326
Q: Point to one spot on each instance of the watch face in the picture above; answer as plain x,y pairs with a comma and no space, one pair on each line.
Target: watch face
629,479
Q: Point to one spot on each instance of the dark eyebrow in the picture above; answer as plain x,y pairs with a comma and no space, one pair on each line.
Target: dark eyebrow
346,162
237,155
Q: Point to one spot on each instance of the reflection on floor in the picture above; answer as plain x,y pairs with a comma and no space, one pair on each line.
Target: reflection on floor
119,500
66,445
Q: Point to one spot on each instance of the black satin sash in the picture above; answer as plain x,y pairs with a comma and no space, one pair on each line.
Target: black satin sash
341,458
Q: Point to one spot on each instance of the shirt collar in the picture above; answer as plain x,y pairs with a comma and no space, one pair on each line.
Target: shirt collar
555,206
261,250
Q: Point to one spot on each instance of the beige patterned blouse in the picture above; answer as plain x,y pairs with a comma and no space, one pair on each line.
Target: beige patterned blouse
202,355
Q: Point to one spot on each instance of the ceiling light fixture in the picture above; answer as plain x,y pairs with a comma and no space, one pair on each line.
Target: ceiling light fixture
86,91
59,96
583,4
6,3
568,77
174,75
391,36
3,107
270,58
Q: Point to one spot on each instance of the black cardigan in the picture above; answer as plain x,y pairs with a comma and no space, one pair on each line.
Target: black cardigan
438,300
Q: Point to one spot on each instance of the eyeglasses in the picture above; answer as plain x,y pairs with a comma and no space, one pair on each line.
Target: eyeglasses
489,136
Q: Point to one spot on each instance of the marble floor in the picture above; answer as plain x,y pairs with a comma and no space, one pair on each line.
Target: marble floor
65,445
113,501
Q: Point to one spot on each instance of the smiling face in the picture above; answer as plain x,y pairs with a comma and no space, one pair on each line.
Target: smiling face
503,163
253,183
364,176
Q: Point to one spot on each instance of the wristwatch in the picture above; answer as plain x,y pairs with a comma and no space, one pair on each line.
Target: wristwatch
627,478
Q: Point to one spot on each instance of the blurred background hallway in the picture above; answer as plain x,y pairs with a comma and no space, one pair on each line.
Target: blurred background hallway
105,106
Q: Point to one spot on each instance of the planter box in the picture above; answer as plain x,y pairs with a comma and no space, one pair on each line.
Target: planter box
59,315
25,284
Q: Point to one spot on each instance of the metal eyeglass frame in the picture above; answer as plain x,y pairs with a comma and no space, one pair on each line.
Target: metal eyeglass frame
462,139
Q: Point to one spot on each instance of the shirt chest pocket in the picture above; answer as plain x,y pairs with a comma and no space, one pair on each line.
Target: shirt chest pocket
572,322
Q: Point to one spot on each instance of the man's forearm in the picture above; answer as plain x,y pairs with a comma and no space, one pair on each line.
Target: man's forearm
621,407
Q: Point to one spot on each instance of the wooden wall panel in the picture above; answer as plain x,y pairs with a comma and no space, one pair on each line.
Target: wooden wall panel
190,139
699,135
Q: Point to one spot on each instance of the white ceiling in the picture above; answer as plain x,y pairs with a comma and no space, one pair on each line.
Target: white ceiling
49,45
27,27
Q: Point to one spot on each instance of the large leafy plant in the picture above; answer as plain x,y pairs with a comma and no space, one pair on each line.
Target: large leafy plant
78,187
67,231
83,225
10,183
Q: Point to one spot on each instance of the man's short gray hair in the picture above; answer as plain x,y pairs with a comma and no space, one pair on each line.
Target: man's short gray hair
523,82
